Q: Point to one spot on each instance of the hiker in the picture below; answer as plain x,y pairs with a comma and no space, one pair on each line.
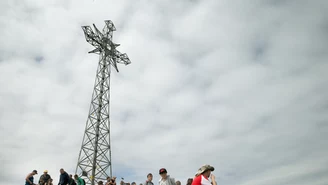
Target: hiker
149,179
114,180
108,181
178,183
203,174
189,181
111,181
79,180
63,178
49,182
71,181
44,178
29,178
166,179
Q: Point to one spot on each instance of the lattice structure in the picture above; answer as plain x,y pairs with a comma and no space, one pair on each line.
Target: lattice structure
94,162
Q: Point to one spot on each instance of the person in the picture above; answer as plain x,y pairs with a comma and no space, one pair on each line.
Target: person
49,182
108,181
63,178
79,180
71,181
44,178
178,183
29,178
100,183
165,179
189,181
149,179
203,174
113,181
133,183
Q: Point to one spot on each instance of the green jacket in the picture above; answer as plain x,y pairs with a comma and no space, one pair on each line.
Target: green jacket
80,181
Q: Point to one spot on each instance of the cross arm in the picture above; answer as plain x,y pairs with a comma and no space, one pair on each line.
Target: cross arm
108,29
91,37
121,58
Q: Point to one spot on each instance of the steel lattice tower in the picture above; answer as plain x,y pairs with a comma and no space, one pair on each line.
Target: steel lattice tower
94,160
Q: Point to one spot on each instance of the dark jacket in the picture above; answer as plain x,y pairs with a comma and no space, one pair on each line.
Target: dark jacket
71,181
63,179
44,178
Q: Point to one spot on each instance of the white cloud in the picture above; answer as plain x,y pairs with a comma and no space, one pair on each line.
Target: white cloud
239,85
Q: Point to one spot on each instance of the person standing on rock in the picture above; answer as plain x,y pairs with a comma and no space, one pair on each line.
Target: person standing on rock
149,179
29,178
44,178
166,179
203,175
63,178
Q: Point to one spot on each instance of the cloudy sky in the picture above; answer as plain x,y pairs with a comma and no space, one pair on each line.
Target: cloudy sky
241,85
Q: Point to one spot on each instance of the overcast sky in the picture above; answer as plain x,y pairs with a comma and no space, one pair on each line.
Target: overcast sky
241,85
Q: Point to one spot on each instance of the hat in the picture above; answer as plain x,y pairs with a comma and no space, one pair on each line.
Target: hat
204,168
45,171
162,170
36,172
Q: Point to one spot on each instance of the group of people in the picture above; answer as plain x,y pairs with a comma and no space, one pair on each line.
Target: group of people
203,176
45,179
